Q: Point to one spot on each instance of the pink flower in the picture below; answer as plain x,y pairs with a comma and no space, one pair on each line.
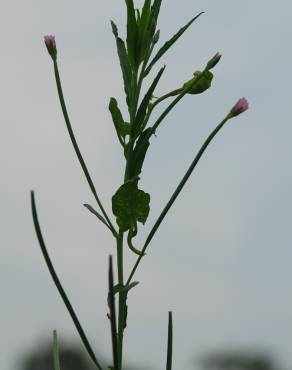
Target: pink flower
51,45
240,107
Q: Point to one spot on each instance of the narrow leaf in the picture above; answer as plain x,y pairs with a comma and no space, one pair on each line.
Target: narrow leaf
124,62
121,127
59,285
132,33
125,288
155,9
169,342
98,215
119,288
113,319
144,35
139,152
169,43
56,357
145,102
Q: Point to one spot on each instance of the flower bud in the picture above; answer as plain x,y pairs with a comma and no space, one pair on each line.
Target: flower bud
240,107
200,82
212,62
51,46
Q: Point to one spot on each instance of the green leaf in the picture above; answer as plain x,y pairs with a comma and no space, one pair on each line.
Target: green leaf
98,215
56,357
145,103
130,205
139,152
169,43
132,33
124,288
155,9
122,128
124,62
144,35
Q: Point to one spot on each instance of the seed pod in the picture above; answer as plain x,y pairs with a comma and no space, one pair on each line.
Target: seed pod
200,82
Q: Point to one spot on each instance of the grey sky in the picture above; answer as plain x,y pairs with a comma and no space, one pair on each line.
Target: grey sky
227,239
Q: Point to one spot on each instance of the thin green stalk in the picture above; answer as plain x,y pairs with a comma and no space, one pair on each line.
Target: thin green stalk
159,100
59,285
56,357
169,342
76,148
122,308
113,315
175,194
168,109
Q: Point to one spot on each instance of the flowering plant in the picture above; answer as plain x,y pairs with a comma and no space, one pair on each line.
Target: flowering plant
131,204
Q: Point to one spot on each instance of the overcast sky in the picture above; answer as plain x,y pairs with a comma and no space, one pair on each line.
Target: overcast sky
222,259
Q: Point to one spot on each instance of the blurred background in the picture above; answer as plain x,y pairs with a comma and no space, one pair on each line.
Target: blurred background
222,259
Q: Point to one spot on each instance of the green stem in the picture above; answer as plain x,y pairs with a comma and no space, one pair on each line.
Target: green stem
76,148
175,194
122,307
168,109
159,100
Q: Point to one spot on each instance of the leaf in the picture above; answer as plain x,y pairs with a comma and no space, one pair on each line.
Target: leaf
56,357
155,9
144,36
98,215
130,205
169,43
124,62
132,33
145,102
122,128
139,152
123,288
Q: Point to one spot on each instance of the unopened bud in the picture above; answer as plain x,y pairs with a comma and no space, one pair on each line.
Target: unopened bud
212,62
240,107
51,46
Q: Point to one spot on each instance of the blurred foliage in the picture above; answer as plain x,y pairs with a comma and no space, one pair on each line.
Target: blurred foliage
71,358
238,360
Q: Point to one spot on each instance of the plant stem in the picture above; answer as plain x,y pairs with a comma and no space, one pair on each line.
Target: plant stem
122,308
76,148
136,89
176,193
